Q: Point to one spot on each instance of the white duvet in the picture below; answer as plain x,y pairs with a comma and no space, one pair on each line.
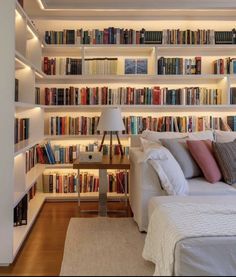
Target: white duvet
173,222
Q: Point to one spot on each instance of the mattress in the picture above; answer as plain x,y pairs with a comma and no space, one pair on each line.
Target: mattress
203,256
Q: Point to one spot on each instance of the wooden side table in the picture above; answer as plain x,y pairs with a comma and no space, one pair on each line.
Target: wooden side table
117,163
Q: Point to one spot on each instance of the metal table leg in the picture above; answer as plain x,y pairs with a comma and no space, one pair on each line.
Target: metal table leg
103,187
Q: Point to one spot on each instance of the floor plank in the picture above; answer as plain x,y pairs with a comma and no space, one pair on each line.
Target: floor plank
42,253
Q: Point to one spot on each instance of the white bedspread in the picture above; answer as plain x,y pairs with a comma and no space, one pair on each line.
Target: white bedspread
173,222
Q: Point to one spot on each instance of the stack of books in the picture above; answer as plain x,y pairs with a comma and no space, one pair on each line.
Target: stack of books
62,66
179,66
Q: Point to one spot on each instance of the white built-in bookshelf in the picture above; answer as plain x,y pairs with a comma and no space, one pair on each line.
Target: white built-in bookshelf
30,48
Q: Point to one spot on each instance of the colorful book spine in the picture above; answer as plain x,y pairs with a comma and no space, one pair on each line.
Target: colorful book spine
22,126
179,66
68,183
62,66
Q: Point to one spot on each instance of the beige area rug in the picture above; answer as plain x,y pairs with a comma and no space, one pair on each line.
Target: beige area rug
104,247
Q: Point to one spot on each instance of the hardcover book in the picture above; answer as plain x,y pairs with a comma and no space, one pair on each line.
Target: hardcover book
142,66
130,66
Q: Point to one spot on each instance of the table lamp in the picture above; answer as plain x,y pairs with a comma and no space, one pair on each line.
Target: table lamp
111,122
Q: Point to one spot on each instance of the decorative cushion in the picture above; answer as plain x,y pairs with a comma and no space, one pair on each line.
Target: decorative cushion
169,172
226,156
202,152
223,137
180,151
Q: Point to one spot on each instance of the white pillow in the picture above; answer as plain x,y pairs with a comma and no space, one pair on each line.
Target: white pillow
224,137
169,171
205,135
156,136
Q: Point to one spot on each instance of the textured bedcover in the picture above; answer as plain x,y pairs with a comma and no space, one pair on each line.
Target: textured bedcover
189,236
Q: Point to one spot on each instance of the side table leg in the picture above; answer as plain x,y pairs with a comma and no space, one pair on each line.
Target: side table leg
103,187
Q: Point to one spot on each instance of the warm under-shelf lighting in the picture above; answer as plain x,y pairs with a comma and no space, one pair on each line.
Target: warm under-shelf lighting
31,31
39,75
23,64
18,15
41,5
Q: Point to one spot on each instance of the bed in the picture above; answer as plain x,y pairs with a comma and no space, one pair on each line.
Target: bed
192,236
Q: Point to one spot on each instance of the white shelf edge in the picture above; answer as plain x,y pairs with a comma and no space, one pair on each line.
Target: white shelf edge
21,106
26,62
79,137
28,20
21,232
31,178
124,108
25,145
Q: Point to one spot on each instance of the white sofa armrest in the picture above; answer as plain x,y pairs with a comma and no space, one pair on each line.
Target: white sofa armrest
144,184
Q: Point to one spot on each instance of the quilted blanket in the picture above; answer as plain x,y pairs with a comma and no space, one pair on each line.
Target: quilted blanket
173,222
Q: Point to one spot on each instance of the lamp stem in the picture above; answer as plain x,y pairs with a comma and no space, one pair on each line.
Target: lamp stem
110,145
120,146
103,138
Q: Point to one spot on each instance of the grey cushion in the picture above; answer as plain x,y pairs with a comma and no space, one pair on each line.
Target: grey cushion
225,154
179,149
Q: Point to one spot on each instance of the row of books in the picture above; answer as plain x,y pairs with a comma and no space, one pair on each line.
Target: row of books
132,96
22,126
101,66
112,35
225,37
179,66
62,66
233,96
60,154
109,35
68,183
73,126
135,125
225,66
20,214
188,37
30,159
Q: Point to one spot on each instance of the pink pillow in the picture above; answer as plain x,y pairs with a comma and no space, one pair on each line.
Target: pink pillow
202,152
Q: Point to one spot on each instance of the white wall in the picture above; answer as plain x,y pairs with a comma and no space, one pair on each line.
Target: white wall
7,81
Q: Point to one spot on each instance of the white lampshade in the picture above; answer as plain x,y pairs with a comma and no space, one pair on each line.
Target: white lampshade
111,120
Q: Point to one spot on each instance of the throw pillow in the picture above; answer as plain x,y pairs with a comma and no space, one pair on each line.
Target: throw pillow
180,151
222,136
169,172
226,156
202,152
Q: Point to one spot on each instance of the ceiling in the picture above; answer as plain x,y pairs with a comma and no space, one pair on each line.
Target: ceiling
128,9
137,4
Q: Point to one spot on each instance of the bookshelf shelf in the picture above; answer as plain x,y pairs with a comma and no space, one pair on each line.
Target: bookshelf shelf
142,108
31,178
23,14
137,79
59,166
21,232
25,145
84,196
21,107
23,62
81,137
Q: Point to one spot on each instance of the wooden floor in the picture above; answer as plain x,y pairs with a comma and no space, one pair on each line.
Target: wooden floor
42,253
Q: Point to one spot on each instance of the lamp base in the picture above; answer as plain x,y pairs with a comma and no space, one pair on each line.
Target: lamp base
119,144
